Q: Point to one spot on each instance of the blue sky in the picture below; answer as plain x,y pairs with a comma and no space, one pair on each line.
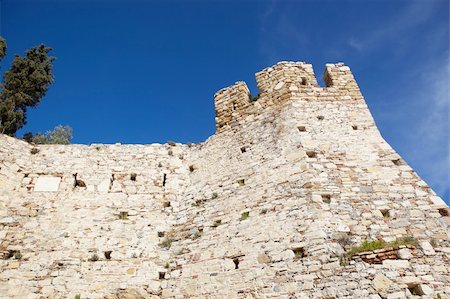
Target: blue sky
146,71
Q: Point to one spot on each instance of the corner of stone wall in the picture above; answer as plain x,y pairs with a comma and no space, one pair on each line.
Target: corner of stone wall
340,77
229,103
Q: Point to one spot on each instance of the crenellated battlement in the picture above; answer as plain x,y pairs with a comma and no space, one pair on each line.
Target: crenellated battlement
279,83
340,77
229,102
299,74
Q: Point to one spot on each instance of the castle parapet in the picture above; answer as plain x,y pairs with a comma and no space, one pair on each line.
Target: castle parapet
229,102
341,78
279,83
299,74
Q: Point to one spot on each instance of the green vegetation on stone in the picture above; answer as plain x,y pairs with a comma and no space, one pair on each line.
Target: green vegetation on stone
379,244
59,135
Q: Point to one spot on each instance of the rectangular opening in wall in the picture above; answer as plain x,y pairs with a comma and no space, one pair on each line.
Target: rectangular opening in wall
108,254
326,198
444,212
133,176
385,213
123,215
217,223
301,128
311,154
397,162
299,252
415,289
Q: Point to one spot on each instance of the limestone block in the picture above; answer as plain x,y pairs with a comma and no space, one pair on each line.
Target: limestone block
381,283
396,264
423,289
404,254
438,201
396,295
47,184
427,248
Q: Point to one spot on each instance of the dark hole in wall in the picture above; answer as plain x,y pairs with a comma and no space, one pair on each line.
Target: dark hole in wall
133,176
397,162
9,254
191,168
320,117
301,128
217,223
236,263
34,151
123,215
385,213
311,154
299,252
111,181
166,204
162,275
108,254
161,234
415,290
355,127
243,149
241,182
326,198
444,212
164,179
304,81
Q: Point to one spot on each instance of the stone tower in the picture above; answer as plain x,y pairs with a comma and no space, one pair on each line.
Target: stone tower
276,204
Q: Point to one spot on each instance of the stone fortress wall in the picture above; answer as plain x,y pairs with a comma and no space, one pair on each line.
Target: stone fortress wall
265,208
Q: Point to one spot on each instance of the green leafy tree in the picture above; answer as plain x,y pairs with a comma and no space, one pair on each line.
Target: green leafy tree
24,85
59,135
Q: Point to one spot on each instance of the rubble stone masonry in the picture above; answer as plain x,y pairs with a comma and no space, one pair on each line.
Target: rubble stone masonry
267,207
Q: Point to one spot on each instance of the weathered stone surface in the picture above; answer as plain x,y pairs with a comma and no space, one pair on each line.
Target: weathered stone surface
427,248
130,294
404,254
47,184
396,295
267,207
381,283
396,264
425,289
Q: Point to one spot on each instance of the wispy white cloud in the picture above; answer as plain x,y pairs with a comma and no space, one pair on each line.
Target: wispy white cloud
430,143
394,28
278,32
